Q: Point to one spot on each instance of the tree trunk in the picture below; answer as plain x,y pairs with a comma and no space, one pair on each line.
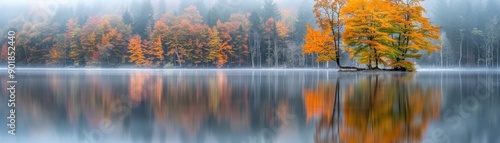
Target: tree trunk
486,55
178,58
275,52
252,56
317,63
268,52
461,43
259,53
441,57
252,50
497,57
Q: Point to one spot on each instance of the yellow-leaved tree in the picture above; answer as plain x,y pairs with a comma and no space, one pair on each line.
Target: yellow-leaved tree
412,33
328,18
136,51
321,43
367,29
375,32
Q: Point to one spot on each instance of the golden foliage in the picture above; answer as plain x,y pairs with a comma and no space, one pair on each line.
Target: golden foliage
321,43
136,51
367,29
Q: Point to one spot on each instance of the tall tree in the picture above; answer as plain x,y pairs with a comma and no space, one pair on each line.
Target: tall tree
491,40
159,36
270,36
135,49
89,39
281,40
72,40
215,45
255,38
413,33
321,43
367,27
226,49
239,46
328,15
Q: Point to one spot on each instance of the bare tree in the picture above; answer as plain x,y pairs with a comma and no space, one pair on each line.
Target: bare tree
492,31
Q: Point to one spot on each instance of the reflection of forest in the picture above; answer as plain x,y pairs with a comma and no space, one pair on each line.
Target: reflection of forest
375,108
169,106
249,106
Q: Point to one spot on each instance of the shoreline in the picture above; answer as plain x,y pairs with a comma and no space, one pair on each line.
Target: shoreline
256,69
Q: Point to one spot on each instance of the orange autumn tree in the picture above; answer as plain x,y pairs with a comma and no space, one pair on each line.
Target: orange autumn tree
135,49
159,37
377,32
321,43
72,40
413,33
216,48
367,29
328,18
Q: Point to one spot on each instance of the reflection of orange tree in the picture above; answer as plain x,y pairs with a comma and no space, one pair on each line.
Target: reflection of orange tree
381,109
388,109
316,101
98,99
321,102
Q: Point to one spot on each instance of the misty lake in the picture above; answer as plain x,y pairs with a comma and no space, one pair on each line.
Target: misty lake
253,106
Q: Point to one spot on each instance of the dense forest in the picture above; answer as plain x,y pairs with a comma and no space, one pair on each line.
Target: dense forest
354,34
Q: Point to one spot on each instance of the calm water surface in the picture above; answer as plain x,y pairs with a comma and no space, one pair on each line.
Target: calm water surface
253,106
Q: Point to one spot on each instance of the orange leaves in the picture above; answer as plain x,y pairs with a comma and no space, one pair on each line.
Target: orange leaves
368,26
218,49
283,29
156,51
328,13
412,33
321,43
159,37
136,51
380,32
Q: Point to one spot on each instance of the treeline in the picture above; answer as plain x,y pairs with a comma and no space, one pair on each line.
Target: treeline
471,33
147,36
354,34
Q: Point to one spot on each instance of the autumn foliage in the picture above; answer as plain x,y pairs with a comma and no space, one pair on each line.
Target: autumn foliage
320,42
375,33
136,50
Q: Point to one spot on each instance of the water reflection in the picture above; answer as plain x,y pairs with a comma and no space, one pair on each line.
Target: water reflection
233,106
375,108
